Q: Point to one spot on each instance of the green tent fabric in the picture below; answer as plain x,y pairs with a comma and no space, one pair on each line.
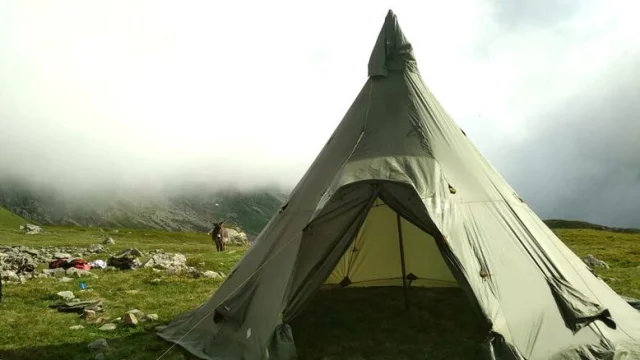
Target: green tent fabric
399,192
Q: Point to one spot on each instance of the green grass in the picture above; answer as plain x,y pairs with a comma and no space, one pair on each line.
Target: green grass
351,324
10,220
620,250
575,224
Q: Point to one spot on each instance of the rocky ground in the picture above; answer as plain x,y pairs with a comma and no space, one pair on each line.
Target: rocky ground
21,263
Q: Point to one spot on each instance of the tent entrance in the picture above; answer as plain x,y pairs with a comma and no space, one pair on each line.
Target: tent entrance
385,247
369,234
349,317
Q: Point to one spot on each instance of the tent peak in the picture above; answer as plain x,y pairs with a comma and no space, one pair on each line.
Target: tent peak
392,50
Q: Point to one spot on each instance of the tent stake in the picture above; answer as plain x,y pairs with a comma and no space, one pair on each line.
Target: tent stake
402,263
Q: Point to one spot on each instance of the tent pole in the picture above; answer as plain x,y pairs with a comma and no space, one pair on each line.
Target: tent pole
402,263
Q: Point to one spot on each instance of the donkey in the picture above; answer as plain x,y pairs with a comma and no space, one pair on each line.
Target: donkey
219,235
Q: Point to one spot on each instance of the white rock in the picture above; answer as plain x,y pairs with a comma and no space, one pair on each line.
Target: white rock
151,317
592,261
31,229
212,275
9,275
108,327
66,295
139,314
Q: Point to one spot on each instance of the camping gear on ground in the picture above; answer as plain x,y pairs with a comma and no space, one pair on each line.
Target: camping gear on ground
59,263
400,190
125,261
78,263
98,264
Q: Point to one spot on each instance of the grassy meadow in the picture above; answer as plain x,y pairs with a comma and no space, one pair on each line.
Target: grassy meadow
354,324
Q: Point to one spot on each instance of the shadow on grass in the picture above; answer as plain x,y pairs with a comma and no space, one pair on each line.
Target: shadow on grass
338,324
372,323
139,346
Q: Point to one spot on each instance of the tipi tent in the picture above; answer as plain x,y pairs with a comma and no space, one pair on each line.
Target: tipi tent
399,192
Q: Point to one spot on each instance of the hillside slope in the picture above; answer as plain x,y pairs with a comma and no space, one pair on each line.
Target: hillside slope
192,210
9,219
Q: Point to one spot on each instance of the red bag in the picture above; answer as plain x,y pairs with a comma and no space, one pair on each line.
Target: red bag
59,263
80,264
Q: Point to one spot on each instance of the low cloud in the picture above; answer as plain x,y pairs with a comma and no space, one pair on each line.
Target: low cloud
583,161
152,95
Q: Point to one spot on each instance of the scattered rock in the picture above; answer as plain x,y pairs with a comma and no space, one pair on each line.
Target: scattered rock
151,317
80,273
95,248
65,279
108,327
167,261
109,241
61,255
76,327
212,275
100,320
131,251
237,237
129,319
98,345
132,292
193,272
156,281
31,229
88,314
592,262
54,272
137,313
66,295
9,275
78,306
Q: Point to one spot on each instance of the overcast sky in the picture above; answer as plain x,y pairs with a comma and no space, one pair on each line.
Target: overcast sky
95,93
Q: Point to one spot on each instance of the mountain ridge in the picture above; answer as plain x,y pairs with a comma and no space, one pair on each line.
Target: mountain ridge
192,210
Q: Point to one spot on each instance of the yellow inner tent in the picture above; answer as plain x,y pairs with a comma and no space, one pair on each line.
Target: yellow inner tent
373,259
